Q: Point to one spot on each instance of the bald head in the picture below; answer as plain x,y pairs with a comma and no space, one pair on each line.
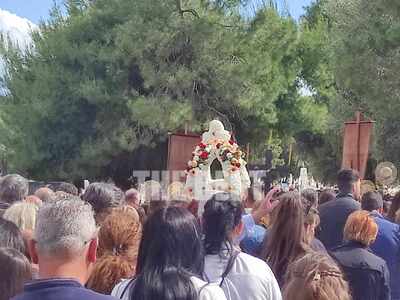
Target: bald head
45,194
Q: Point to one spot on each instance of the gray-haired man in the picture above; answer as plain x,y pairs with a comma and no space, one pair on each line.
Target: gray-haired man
64,246
13,188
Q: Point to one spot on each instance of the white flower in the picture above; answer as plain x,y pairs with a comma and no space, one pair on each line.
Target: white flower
196,158
229,156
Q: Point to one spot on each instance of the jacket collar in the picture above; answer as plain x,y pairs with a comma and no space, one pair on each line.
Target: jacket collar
344,195
355,244
376,214
40,284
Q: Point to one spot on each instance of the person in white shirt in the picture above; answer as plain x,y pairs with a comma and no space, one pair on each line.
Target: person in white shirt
241,276
170,261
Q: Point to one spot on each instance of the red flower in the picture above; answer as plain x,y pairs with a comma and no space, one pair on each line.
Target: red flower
202,145
204,155
231,142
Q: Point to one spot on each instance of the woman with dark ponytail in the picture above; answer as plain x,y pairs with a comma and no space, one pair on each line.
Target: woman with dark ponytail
170,262
241,276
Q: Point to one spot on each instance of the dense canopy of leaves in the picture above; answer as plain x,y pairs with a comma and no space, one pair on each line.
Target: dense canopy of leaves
102,87
365,42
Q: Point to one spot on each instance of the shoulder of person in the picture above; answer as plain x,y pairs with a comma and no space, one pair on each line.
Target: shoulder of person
91,295
119,289
208,291
256,266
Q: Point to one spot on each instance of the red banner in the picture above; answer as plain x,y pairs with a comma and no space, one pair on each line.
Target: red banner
356,141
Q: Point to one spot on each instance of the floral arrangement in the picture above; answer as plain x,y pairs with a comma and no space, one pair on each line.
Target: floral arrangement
199,158
227,152
230,152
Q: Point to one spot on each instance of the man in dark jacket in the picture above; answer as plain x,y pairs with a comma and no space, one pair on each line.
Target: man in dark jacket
387,243
334,214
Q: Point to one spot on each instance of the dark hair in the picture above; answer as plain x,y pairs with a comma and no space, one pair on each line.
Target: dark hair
11,236
13,188
310,197
222,213
68,188
14,272
371,201
394,207
326,196
170,253
103,196
345,180
285,242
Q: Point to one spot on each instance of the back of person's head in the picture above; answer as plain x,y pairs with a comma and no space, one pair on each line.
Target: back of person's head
132,197
326,196
346,178
397,217
394,207
45,194
372,201
361,227
286,240
221,217
102,197
64,228
13,188
315,276
119,239
11,236
386,207
310,197
68,188
15,271
170,253
22,214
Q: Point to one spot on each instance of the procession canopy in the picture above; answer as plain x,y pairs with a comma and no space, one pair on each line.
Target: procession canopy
216,144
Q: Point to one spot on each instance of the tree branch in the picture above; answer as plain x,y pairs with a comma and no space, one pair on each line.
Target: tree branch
183,11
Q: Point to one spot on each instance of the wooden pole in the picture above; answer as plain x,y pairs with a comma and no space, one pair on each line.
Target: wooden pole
358,120
290,153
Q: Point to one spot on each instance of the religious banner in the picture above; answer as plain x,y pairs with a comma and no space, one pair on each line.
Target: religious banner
180,147
356,141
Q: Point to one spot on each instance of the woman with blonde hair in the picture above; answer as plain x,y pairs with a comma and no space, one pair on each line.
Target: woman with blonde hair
119,239
315,276
368,274
22,214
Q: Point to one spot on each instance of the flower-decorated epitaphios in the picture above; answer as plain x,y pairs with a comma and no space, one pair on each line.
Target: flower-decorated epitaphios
216,144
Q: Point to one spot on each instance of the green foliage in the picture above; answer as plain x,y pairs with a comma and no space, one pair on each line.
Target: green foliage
112,78
365,40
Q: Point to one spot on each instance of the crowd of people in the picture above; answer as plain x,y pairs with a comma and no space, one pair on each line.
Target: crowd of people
149,245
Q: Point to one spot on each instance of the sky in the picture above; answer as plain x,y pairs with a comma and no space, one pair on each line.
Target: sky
36,10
